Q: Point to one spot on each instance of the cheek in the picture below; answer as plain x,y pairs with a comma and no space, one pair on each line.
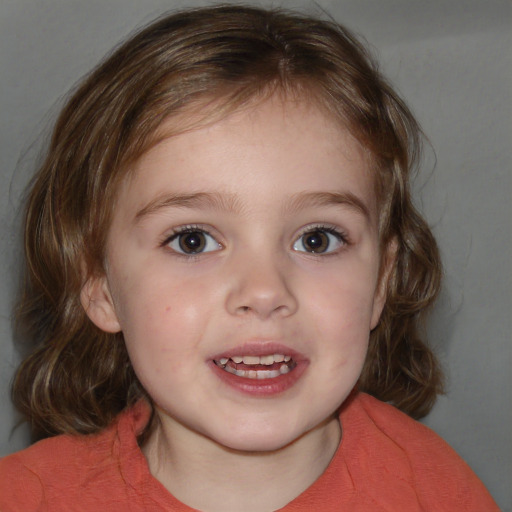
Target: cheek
345,301
164,317
341,312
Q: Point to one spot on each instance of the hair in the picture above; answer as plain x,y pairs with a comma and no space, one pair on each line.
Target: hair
211,61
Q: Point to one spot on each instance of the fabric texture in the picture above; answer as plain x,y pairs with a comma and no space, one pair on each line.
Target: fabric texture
385,462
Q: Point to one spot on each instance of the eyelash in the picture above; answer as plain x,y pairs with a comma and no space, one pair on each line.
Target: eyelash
341,237
184,230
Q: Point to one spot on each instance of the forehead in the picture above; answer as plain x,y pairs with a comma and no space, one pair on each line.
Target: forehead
287,145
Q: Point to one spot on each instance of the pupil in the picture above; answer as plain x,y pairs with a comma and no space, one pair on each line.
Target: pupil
192,242
316,241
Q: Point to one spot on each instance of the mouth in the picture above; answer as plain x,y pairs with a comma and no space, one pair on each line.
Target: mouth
262,367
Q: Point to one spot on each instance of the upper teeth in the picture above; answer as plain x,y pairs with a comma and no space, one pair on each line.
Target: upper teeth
265,360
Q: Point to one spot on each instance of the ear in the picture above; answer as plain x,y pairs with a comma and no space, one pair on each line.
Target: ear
97,302
379,299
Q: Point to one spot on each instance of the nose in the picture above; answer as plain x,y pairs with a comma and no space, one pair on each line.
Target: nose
261,286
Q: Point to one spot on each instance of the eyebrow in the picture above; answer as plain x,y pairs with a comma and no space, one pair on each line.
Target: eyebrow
318,199
198,200
229,202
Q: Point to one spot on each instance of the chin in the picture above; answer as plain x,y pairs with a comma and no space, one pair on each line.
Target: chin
257,444
262,439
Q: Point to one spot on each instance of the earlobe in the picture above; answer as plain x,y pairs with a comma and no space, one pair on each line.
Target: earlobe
97,302
381,292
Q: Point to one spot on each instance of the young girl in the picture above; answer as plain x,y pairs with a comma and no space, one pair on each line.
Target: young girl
225,282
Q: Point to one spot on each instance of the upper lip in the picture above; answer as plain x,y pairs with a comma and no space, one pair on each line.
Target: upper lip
259,348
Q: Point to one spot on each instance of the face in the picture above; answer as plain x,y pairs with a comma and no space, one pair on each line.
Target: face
243,270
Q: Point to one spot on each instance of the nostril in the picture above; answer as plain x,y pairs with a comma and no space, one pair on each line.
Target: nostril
262,301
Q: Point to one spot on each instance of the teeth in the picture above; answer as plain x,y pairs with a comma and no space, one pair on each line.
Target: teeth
259,374
268,360
253,360
268,374
284,368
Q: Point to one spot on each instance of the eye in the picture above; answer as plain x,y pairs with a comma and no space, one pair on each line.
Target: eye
192,241
319,240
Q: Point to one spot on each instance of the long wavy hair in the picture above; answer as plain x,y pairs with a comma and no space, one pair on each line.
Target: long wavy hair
210,61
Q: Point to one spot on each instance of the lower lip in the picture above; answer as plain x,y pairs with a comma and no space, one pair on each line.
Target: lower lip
261,387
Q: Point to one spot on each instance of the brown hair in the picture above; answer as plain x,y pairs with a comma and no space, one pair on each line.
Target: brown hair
78,377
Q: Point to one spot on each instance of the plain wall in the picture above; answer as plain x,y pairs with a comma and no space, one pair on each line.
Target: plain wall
450,59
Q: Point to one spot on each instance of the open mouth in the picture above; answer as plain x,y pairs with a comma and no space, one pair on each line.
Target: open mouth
262,367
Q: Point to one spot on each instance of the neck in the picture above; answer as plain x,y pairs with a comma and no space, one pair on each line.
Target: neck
212,478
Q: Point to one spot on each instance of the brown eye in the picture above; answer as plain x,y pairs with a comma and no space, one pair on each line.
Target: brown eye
319,241
315,241
192,241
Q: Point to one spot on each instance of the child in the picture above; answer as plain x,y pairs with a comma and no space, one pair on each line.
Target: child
223,265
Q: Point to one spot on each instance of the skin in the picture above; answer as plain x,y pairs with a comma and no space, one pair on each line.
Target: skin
270,169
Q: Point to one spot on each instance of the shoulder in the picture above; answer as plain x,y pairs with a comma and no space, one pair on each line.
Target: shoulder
395,425
57,466
416,442
56,472
19,485
396,448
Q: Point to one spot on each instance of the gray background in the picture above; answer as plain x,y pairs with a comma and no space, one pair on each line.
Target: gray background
451,60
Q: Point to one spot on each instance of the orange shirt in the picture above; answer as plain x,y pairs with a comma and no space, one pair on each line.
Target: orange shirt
385,462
